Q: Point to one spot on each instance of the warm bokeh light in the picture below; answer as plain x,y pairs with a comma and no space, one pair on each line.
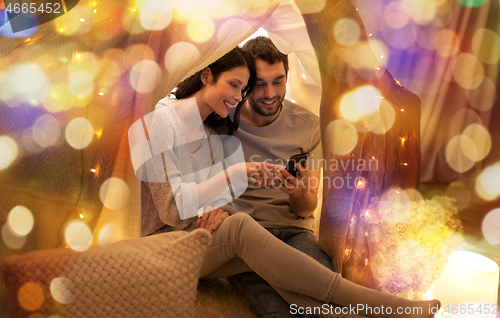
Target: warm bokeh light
343,137
83,62
201,29
11,240
366,99
47,62
135,54
79,133
208,6
484,96
395,16
486,46
108,73
481,139
20,220
447,43
346,31
30,296
306,6
468,71
156,15
361,101
81,84
5,93
58,98
60,290
490,226
27,82
462,119
381,51
8,151
468,148
488,183
481,192
114,194
145,76
455,157
70,23
421,11
116,55
131,22
46,130
108,234
78,236
179,55
363,57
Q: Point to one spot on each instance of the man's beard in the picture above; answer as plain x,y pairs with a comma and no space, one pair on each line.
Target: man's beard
265,111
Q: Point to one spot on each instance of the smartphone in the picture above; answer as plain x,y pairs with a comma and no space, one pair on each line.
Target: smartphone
300,158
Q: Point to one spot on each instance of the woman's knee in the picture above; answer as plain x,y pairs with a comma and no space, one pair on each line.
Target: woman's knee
240,218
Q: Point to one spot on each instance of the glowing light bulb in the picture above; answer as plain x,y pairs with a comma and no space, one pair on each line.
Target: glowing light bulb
95,10
367,213
78,56
101,93
370,34
81,216
361,184
402,110
82,19
93,170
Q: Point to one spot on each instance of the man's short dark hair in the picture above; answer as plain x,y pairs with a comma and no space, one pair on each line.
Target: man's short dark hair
263,48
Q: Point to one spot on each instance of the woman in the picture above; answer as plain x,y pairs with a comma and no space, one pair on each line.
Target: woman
185,128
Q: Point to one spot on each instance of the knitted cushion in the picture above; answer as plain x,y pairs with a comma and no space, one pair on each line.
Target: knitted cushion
155,276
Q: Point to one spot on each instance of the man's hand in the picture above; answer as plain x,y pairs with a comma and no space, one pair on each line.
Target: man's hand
289,184
212,220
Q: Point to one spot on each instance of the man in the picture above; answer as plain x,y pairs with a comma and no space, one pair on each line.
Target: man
273,129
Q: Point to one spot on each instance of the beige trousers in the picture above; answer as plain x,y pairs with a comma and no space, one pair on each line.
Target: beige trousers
241,244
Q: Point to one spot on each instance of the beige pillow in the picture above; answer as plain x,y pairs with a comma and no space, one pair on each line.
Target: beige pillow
155,276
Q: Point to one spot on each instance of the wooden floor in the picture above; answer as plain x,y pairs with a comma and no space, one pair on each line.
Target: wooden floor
471,215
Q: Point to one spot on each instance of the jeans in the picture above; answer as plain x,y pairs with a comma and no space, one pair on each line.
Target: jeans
263,299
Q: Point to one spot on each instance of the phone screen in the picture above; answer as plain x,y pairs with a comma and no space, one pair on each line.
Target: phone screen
300,158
